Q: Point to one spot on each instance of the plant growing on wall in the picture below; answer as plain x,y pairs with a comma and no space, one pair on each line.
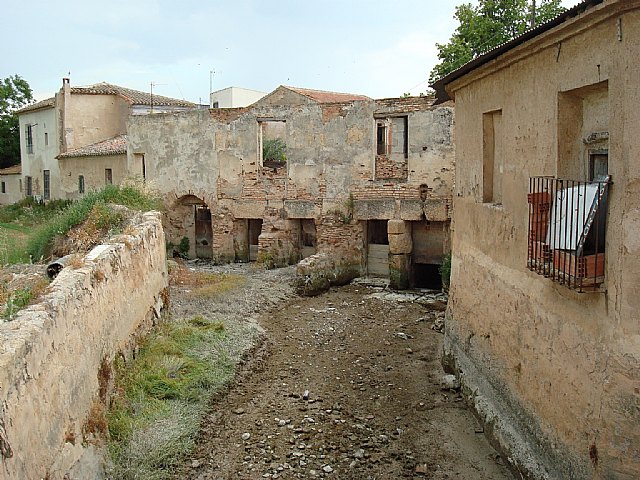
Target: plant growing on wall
274,151
445,272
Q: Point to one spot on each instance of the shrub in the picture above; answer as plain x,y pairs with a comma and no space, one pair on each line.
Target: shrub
445,271
274,150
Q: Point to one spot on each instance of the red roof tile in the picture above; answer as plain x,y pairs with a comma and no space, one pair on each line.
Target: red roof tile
321,96
13,170
112,146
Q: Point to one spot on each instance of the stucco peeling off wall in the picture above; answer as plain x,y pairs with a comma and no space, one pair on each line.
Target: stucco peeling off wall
56,357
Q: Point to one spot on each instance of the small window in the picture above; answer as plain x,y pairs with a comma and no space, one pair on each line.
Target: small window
20,184
46,180
46,139
108,176
29,186
216,105
28,136
4,187
598,165
81,184
381,136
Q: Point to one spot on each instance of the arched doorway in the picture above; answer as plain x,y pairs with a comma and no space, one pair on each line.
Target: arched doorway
191,218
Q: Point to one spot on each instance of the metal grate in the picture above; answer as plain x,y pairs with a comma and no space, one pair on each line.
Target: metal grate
567,227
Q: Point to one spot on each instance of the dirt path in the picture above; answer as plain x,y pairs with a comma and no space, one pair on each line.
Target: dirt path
348,385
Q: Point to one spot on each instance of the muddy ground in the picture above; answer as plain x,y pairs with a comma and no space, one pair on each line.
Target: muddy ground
346,385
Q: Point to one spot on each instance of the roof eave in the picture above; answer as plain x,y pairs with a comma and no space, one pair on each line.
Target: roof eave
440,86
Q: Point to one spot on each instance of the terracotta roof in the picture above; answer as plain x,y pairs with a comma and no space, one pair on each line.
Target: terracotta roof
112,146
321,96
13,170
440,85
134,97
49,102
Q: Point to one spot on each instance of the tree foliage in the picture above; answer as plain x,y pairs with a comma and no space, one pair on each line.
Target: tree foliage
488,25
15,93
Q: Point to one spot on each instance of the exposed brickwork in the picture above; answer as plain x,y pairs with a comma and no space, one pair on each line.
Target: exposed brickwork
387,168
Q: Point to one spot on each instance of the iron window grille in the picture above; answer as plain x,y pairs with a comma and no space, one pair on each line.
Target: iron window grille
567,231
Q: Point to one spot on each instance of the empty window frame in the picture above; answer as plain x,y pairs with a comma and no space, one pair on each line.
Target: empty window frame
108,176
28,137
46,139
4,187
46,182
80,183
392,136
272,145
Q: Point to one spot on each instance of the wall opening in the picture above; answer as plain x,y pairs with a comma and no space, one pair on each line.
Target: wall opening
308,237
254,228
377,248
427,275
204,232
491,157
272,143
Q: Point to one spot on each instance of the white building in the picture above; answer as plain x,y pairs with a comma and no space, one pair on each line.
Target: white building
233,97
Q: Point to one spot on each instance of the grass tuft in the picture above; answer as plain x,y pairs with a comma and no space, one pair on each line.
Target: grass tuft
164,392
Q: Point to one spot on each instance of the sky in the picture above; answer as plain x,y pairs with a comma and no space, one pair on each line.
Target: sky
378,48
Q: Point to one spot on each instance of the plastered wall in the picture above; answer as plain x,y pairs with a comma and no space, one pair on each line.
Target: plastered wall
554,373
55,356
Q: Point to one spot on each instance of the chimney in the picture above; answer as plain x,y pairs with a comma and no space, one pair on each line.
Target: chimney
66,128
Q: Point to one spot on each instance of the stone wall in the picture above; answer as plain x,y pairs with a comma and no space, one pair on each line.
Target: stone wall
56,356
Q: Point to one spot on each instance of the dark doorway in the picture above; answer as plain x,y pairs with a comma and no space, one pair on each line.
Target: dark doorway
427,275
204,232
255,228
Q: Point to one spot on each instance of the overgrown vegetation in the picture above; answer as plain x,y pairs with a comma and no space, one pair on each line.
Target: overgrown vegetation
14,298
162,395
274,150
41,224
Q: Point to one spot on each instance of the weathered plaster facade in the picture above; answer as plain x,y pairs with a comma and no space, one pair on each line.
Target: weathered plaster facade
77,118
554,373
210,163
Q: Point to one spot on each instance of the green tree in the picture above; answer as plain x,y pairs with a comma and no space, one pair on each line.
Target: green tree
15,93
488,25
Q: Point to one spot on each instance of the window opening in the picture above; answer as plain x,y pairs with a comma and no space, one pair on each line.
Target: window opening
272,145
46,139
46,177
29,186
567,231
598,165
28,135
108,176
4,188
80,183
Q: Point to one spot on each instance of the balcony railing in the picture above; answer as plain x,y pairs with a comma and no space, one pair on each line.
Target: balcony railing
567,227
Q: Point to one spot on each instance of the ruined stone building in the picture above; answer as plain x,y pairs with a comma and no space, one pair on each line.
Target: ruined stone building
366,183
76,141
542,323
